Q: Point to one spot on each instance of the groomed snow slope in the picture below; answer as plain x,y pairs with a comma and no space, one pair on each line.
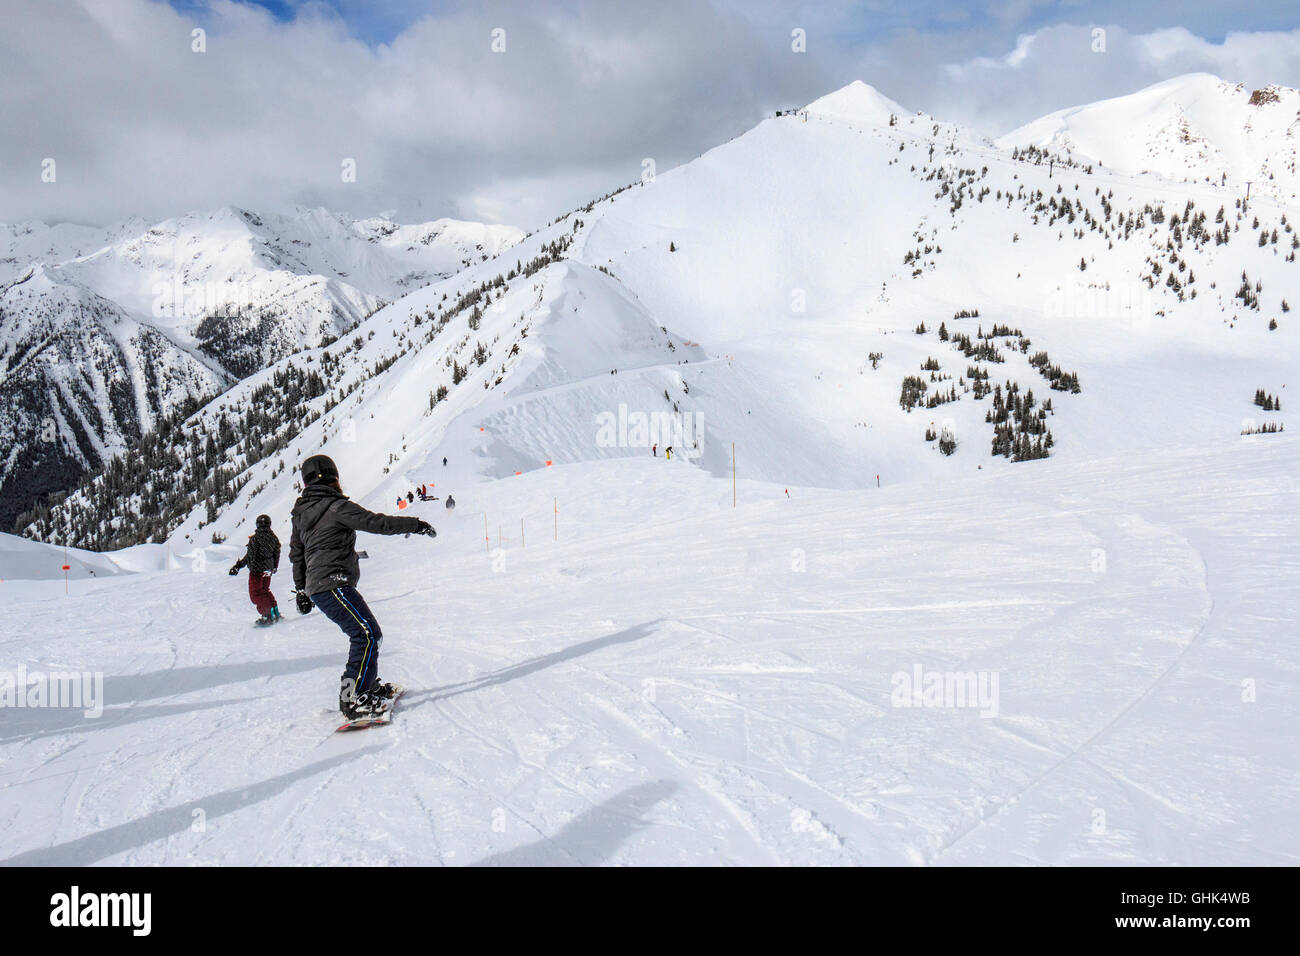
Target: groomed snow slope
25,560
678,682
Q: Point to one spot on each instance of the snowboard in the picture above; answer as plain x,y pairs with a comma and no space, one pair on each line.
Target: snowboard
361,723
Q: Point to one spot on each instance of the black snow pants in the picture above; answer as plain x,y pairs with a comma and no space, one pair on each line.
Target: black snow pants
347,608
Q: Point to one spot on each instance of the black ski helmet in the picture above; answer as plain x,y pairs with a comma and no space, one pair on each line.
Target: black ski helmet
319,468
263,522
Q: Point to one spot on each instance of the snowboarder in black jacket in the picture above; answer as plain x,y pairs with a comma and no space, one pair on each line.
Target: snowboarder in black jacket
323,552
262,560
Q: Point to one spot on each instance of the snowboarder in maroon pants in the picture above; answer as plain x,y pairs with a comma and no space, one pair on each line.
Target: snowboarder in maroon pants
262,560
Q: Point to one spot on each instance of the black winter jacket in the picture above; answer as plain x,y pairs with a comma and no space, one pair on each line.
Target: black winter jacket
323,548
263,553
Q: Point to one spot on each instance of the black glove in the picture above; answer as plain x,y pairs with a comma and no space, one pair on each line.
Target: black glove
304,603
425,528
234,571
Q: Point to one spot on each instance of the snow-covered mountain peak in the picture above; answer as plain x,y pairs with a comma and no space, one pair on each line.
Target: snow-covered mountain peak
858,101
103,330
1192,128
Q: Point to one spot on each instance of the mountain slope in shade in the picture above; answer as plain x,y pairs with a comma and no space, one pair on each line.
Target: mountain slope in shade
248,288
103,330
1194,128
80,380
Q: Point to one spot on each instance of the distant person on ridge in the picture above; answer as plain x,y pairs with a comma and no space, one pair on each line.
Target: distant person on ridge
322,550
262,560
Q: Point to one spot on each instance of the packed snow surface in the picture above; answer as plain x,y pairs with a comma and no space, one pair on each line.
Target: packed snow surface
674,681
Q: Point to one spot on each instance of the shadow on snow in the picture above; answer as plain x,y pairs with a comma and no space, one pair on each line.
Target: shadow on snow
165,823
593,836
38,722
530,666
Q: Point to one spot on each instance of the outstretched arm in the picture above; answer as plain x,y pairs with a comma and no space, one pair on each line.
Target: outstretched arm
352,515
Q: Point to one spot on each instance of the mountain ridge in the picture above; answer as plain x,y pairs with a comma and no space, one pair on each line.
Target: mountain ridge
208,299
906,315
1195,127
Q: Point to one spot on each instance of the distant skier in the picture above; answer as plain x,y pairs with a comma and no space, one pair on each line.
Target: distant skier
262,560
322,550
444,461
654,450
410,497
451,503
668,452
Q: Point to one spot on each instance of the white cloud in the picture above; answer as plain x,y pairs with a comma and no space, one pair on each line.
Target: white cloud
138,123
440,125
1057,67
